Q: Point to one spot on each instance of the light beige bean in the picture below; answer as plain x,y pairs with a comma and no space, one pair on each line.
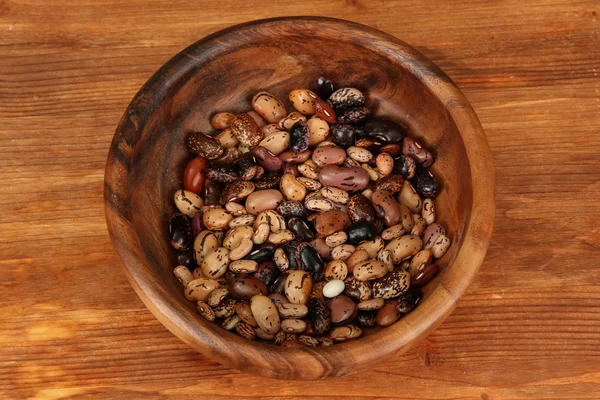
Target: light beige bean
189,203
303,100
261,234
342,252
336,195
241,266
268,107
205,311
263,335
385,256
262,200
242,220
318,204
298,285
199,289
281,259
276,142
428,211
336,270
222,120
197,273
244,311
225,309
204,243
293,325
370,269
227,139
336,239
319,130
409,197
441,246
291,188
308,171
270,129
419,225
291,310
393,232
385,163
235,235
217,296
273,218
356,258
231,322
345,333
216,219
310,184
289,121
281,237
404,247
372,247
215,263
373,174
359,154
422,258
235,209
183,274
371,304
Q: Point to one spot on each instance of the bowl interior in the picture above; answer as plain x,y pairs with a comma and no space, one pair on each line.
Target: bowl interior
221,74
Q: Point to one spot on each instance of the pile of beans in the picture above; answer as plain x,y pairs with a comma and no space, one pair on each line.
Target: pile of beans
306,228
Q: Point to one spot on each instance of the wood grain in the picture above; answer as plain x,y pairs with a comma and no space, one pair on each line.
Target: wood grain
70,325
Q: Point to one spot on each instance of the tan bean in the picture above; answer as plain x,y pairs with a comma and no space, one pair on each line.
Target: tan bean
268,107
291,188
370,269
281,259
336,195
263,335
215,263
276,142
227,139
336,270
345,333
217,296
441,246
367,193
290,310
428,211
319,130
336,239
197,273
235,235
359,154
420,259
318,204
372,247
393,232
385,163
373,174
189,203
298,285
222,120
243,266
404,247
199,289
242,220
356,258
265,313
308,171
183,274
270,129
409,197
281,237
261,234
273,218
262,200
419,225
310,184
204,243
289,121
235,209
406,218
342,252
371,304
303,100
241,250
385,256
231,322
205,311
244,311
216,219
293,325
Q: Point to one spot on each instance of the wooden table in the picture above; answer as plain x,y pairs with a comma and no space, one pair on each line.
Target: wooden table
71,326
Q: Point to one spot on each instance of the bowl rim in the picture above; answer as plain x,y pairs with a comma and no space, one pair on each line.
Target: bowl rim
303,363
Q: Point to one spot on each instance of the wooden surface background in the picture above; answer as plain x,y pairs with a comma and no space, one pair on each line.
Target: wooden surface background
71,326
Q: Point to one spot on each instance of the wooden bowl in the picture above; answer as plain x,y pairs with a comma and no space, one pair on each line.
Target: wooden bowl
221,73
